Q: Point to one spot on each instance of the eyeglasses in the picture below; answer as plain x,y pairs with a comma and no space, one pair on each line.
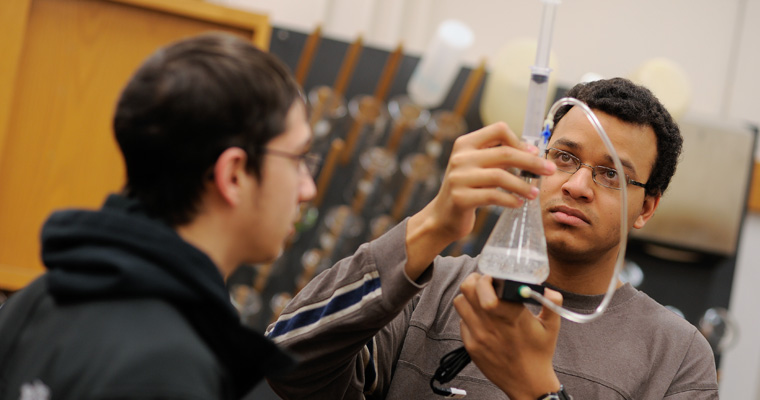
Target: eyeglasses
607,177
309,161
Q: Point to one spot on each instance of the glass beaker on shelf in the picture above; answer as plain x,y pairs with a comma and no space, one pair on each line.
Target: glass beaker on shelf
441,130
311,266
327,112
277,303
339,232
379,225
246,288
369,117
416,183
720,329
408,119
365,192
247,302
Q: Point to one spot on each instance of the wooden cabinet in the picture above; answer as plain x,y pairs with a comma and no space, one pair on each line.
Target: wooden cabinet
64,63
754,191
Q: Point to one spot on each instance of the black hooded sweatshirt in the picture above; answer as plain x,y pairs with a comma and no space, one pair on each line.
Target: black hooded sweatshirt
127,310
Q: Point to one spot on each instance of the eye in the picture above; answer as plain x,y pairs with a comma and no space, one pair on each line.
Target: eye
607,177
564,160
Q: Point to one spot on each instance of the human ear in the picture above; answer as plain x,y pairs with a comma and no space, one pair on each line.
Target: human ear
230,174
647,211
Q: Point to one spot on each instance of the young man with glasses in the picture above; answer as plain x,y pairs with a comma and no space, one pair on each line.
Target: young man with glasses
377,324
134,306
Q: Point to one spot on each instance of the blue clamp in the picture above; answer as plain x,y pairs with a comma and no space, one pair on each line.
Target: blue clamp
545,134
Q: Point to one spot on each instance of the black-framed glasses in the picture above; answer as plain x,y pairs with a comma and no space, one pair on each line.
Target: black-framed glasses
569,163
309,161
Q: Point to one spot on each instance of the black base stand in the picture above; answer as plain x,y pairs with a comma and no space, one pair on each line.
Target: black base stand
510,290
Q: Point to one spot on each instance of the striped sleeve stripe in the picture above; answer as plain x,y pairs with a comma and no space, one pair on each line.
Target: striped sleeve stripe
370,367
344,301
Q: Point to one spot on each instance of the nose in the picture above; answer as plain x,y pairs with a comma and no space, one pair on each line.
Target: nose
308,189
580,185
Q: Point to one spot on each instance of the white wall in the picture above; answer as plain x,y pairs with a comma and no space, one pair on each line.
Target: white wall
739,368
715,42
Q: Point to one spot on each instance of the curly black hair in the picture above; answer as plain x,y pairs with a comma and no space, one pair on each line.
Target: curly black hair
635,104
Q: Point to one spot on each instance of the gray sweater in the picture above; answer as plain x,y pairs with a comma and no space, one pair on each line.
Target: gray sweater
363,330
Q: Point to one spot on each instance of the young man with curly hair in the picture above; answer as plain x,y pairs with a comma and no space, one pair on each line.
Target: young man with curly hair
376,325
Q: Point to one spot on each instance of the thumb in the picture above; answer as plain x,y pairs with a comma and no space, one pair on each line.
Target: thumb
549,318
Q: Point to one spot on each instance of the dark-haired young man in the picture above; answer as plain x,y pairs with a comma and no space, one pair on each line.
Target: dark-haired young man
133,306
376,325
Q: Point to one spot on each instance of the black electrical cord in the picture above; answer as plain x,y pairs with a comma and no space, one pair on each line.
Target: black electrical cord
451,364
454,362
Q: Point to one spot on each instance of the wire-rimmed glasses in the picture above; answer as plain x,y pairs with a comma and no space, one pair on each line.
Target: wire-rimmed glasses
604,176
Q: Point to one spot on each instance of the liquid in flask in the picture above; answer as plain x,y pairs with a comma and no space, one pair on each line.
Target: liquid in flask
516,248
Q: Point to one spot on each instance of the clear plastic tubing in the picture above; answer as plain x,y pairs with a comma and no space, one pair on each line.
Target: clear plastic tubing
539,79
526,291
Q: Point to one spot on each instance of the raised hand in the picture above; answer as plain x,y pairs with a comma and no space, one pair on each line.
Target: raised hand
511,346
477,175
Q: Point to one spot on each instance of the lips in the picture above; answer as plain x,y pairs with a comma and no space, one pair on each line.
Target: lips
569,216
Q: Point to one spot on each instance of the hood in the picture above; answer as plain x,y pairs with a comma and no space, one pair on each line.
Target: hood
118,252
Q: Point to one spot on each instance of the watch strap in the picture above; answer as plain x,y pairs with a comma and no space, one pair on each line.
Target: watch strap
559,395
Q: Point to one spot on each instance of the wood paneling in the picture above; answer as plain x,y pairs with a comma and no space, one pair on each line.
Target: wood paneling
72,59
13,19
754,190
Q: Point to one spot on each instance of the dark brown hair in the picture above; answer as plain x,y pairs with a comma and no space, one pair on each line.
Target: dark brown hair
185,105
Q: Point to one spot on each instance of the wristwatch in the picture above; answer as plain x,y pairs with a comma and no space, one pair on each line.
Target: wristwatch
559,395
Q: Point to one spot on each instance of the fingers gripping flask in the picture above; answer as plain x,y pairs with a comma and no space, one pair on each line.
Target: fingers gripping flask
515,252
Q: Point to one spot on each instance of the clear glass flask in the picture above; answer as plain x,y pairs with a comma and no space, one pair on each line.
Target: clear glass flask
328,110
516,249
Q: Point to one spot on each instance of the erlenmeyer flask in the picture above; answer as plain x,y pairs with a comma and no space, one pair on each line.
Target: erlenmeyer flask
516,249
